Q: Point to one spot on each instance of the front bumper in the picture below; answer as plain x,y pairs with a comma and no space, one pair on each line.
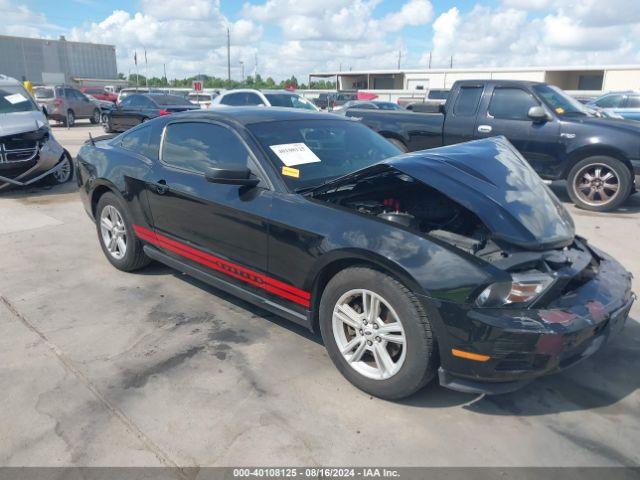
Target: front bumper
46,162
524,344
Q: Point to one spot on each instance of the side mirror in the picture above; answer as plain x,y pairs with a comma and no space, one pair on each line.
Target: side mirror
231,175
538,114
441,108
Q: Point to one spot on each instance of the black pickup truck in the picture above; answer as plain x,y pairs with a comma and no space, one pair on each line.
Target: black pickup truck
561,139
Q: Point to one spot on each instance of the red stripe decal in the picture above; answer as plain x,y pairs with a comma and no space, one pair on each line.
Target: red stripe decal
256,279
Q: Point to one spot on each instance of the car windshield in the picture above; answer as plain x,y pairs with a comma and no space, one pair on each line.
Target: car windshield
560,102
14,98
43,93
288,100
309,153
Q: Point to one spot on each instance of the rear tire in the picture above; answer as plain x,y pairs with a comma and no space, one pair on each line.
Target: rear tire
399,144
410,359
599,183
113,222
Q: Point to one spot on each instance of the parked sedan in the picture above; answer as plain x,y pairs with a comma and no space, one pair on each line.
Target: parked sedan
139,108
457,262
618,105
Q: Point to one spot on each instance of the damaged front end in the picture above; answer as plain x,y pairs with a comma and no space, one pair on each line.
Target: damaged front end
555,299
28,151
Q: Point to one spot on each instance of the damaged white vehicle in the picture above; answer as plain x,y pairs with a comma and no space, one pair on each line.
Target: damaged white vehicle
28,151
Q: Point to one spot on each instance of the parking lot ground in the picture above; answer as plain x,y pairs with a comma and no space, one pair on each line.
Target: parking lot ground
100,368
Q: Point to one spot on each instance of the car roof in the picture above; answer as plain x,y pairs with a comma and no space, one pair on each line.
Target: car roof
497,82
249,115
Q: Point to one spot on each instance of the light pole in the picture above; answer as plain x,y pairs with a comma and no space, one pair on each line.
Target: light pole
242,65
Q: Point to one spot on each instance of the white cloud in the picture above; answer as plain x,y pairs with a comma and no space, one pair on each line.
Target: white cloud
412,13
19,20
311,35
537,32
188,38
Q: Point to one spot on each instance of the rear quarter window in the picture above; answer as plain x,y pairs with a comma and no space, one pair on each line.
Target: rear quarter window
143,141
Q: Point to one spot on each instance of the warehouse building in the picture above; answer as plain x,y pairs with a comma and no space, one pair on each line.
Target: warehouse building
45,61
592,78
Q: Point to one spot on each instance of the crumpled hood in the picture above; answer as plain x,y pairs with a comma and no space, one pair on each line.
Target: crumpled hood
20,122
490,178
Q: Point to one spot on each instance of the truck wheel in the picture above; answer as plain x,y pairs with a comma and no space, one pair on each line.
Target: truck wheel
117,238
399,144
599,183
377,333
95,117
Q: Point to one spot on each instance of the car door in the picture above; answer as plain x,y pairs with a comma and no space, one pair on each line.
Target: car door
507,114
119,115
146,109
217,227
84,105
460,117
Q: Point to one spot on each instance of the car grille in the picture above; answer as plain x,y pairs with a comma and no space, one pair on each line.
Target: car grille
18,150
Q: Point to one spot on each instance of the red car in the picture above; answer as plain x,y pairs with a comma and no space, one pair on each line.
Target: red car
99,93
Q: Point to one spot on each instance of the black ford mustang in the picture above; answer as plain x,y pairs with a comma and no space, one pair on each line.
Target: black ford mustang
456,261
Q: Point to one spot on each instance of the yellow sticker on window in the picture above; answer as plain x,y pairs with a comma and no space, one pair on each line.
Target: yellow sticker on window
559,110
291,172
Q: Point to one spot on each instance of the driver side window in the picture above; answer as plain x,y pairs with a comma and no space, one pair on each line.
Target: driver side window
511,104
198,146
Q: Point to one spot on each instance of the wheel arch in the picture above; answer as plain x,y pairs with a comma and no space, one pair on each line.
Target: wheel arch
329,266
394,135
98,191
593,150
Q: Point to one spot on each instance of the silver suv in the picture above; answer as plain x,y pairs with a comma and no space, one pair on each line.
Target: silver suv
28,151
66,104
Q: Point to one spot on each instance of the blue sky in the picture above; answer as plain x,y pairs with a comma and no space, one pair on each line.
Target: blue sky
300,36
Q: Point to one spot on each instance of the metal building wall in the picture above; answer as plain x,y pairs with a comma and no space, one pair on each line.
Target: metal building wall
32,57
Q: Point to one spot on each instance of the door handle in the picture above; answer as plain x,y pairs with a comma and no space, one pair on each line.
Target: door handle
161,187
484,128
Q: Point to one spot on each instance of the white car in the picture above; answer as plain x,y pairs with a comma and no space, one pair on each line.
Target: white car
248,97
204,99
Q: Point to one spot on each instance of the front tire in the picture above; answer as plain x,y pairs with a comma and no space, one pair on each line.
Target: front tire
117,238
64,174
95,117
377,333
599,183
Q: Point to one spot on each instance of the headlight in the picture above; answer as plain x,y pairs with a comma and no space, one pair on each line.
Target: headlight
523,288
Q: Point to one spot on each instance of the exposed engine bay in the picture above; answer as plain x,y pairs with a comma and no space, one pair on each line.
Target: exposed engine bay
396,197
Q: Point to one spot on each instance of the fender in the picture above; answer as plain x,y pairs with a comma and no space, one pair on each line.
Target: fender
591,149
